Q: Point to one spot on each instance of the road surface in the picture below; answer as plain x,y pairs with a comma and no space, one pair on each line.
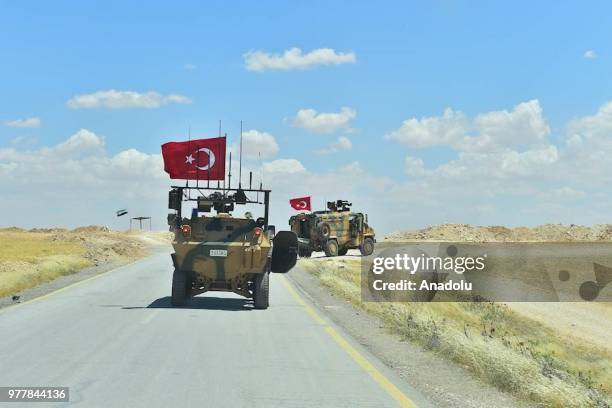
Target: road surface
116,342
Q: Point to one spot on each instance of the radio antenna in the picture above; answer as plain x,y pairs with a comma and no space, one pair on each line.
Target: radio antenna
219,181
188,147
230,169
229,177
240,160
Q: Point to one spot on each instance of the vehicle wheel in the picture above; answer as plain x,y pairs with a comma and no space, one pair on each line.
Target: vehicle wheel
261,290
331,248
367,247
342,251
324,230
305,253
179,288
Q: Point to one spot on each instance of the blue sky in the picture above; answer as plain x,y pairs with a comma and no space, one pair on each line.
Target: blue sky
413,60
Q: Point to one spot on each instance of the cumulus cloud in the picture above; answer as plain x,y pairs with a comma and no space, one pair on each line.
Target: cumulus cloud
414,166
343,143
523,125
255,142
431,131
284,166
590,54
522,176
33,122
77,182
324,122
114,99
294,59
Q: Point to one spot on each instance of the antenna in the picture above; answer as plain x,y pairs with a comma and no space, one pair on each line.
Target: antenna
229,178
189,148
218,181
240,160
230,168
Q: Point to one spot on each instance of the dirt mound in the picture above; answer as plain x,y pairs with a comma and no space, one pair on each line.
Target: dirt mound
46,230
12,229
473,233
92,228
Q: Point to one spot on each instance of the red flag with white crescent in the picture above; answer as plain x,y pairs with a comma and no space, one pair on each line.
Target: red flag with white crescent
200,159
300,203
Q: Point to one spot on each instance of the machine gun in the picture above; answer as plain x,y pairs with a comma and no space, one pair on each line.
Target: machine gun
339,205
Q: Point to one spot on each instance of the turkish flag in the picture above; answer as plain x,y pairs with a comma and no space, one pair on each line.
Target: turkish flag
200,159
301,203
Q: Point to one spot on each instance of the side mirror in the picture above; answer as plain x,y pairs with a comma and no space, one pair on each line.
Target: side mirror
271,231
172,220
284,251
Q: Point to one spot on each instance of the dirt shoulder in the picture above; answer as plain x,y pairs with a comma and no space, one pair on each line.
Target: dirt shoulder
525,352
443,383
34,262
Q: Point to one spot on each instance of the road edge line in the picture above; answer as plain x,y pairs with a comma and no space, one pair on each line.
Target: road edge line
357,357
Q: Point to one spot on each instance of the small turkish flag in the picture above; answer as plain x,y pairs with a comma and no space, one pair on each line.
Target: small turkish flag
200,159
301,203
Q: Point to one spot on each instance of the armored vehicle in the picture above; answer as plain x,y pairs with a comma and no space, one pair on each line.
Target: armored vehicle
216,251
333,231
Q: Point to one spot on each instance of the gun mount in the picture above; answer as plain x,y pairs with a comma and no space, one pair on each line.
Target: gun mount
339,205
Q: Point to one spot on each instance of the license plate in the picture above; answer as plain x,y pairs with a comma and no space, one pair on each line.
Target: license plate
218,252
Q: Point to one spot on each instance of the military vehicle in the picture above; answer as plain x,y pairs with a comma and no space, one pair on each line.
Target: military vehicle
220,252
333,231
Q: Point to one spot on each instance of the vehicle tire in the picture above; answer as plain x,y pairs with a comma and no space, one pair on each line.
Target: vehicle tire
261,290
367,247
342,251
305,253
324,230
179,288
331,248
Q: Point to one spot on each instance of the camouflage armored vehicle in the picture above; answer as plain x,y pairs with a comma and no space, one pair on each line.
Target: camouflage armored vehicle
220,252
334,231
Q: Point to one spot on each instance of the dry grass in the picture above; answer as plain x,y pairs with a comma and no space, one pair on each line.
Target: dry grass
22,246
497,345
29,258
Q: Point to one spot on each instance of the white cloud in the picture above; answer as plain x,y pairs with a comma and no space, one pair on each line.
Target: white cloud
523,126
324,122
343,143
563,193
23,123
255,142
189,67
293,59
414,166
518,180
113,99
590,54
77,182
284,166
431,131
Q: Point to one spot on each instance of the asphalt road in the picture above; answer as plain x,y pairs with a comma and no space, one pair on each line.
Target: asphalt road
116,342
